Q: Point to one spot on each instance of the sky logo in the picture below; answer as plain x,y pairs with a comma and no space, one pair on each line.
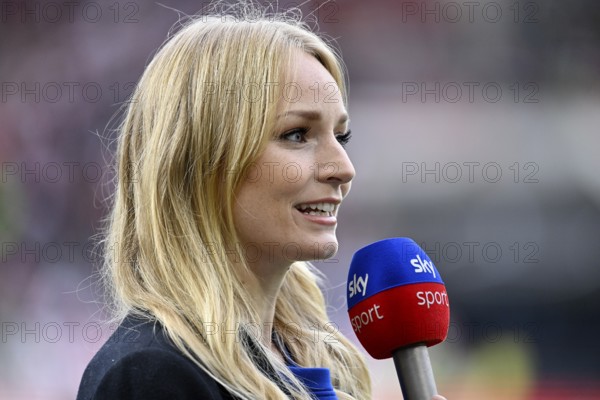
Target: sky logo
356,286
422,265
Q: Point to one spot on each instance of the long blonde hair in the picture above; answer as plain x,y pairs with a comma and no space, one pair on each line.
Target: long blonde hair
189,124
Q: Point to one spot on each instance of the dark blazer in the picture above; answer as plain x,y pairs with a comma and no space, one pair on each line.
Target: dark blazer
139,362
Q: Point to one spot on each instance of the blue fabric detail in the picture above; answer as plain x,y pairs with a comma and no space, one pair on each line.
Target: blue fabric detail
317,380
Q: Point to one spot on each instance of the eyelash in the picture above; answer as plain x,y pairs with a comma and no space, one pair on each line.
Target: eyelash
343,138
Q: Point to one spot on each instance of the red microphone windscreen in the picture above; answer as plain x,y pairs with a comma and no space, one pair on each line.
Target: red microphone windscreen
396,298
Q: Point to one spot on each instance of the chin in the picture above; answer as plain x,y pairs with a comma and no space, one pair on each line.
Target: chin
329,251
317,250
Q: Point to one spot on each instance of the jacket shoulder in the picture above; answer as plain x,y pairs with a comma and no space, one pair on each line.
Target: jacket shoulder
139,362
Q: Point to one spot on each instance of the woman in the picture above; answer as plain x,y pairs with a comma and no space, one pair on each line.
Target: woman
231,171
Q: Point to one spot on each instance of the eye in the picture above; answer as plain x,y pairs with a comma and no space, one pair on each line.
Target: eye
296,135
344,138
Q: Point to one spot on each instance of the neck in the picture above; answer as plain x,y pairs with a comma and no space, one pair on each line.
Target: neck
264,284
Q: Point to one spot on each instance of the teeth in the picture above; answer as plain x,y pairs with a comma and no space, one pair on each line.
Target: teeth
317,208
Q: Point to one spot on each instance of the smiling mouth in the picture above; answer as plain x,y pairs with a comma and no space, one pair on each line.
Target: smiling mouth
318,209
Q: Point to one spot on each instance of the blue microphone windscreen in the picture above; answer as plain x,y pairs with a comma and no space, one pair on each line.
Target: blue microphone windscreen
386,264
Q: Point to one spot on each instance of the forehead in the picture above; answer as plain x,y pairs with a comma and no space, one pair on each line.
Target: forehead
309,86
306,69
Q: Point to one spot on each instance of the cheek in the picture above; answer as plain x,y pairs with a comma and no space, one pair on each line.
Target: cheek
283,177
284,161
297,168
294,174
265,196
274,183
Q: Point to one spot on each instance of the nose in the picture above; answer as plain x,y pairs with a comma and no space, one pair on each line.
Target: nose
334,165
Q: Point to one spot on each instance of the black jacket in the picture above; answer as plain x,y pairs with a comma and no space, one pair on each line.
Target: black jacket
139,362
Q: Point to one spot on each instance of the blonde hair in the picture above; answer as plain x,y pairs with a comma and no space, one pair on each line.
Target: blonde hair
184,131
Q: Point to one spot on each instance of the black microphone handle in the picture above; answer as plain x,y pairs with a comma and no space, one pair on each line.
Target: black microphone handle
415,373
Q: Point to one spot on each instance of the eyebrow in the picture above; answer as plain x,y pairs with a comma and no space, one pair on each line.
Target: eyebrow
313,115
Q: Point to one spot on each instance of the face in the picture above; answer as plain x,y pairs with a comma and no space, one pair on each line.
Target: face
286,209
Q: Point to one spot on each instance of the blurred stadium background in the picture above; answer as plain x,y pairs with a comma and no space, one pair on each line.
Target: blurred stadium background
476,132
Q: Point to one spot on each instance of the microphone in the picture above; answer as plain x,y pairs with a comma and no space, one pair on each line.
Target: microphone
398,306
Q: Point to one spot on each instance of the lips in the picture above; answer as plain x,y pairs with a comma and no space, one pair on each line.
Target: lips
321,211
325,209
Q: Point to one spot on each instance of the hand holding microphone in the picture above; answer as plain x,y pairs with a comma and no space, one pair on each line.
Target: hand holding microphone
398,307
